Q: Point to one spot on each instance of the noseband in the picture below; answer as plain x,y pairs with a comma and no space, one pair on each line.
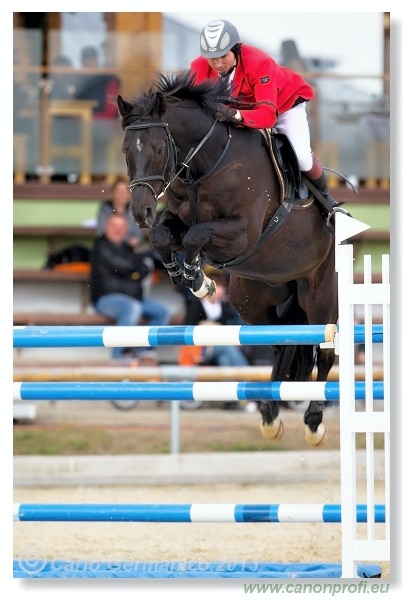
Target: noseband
170,159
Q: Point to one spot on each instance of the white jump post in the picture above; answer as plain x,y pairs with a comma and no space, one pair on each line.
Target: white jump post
368,421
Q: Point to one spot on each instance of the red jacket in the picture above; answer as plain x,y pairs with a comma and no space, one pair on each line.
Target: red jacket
258,78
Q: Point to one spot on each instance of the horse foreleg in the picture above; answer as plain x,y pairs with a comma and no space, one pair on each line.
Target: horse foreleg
196,280
166,239
224,238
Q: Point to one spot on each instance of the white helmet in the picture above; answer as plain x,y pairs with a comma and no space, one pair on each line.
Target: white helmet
217,38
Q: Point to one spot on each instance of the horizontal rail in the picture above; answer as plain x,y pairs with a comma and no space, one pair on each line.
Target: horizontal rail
166,372
207,391
192,513
179,335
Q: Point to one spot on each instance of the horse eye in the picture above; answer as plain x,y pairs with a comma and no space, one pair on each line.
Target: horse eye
160,150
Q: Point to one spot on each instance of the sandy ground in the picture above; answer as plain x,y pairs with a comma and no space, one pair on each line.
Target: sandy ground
237,542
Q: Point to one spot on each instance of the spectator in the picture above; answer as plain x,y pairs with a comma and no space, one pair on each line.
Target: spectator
216,311
116,279
103,88
119,204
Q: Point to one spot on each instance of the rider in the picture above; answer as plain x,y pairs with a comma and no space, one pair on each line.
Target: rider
280,93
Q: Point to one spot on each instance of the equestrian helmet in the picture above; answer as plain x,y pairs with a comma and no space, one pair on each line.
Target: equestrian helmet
217,38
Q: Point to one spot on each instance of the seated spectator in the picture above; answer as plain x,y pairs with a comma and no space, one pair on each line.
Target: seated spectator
119,204
214,311
117,273
104,88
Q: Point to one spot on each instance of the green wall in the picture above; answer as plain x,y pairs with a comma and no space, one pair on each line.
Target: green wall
31,252
59,212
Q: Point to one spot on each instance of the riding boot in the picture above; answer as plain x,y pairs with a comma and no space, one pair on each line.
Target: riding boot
317,177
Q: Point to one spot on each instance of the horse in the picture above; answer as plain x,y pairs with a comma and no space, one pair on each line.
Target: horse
224,206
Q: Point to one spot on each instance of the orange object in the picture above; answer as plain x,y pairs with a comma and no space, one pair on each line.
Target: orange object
190,355
73,267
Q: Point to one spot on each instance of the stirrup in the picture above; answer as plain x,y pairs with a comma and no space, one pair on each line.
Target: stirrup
336,209
330,214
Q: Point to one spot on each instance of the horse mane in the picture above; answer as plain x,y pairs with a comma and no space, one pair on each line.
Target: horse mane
206,93
177,89
181,87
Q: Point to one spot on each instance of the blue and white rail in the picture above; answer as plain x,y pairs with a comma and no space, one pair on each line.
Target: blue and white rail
190,390
192,513
192,335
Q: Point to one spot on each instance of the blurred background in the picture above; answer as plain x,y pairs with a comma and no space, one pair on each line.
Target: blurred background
68,69
350,73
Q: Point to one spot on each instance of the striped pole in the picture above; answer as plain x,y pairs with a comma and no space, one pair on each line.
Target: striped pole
167,372
192,513
188,390
171,335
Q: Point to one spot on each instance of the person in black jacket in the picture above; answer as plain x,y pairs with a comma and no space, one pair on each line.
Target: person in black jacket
116,279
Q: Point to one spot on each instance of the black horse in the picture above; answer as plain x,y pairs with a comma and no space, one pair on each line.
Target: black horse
226,205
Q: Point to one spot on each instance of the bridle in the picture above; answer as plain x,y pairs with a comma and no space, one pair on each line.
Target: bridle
171,160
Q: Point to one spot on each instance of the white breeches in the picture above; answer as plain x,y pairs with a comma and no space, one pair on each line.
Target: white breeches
294,124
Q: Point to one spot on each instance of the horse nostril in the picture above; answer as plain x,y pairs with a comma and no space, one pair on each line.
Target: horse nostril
148,216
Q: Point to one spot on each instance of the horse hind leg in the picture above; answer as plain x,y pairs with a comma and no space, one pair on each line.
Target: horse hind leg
293,364
271,424
315,431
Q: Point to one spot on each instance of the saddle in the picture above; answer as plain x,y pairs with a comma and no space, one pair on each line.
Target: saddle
286,166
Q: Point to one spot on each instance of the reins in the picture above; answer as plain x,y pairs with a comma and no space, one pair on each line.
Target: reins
274,224
171,160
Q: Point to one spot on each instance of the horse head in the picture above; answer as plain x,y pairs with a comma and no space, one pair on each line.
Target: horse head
148,146
149,152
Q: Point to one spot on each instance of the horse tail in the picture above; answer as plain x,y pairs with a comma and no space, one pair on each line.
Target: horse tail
293,363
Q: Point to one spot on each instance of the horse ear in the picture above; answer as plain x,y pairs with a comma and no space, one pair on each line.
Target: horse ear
160,106
123,107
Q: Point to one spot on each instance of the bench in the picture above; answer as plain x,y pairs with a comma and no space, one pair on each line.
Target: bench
53,231
39,318
37,276
84,316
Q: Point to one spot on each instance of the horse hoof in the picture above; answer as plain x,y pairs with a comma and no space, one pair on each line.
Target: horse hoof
207,289
273,432
318,438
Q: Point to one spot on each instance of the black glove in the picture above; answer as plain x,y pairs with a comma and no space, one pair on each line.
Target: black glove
225,113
